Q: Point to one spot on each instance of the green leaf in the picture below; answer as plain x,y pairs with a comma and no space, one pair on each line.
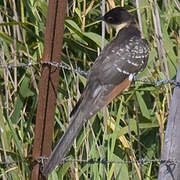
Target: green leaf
24,92
24,88
17,110
16,139
89,38
96,38
143,107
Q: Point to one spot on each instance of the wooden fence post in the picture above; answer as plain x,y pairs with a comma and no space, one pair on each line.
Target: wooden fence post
170,164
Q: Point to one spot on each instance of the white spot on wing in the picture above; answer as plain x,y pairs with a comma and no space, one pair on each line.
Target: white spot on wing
127,46
125,72
131,77
122,71
119,69
133,63
118,53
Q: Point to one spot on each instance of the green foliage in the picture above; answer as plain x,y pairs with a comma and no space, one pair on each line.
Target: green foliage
130,128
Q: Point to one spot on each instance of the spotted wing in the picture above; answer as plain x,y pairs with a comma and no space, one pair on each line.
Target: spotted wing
117,62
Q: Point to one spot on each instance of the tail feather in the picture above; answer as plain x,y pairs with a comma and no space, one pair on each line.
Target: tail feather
75,109
65,143
85,109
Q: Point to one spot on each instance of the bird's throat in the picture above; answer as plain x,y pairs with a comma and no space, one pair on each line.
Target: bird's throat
118,27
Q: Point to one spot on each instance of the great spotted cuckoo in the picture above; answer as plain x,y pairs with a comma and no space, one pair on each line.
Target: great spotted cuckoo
111,73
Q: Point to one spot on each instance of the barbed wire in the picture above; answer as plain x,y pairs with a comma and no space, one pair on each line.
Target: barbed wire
158,82
42,160
104,161
19,65
63,66
83,73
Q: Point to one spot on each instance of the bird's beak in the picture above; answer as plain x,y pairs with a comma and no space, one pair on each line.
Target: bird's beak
101,18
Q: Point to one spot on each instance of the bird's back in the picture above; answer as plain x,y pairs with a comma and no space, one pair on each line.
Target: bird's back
126,54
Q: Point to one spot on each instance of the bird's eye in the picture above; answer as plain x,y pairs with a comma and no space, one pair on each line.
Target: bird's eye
110,19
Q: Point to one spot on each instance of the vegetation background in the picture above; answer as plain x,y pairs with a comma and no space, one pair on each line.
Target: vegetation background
131,128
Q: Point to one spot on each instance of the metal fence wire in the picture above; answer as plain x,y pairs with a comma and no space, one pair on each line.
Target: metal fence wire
170,164
83,73
41,160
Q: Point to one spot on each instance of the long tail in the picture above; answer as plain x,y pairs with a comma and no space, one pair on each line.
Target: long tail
91,102
65,142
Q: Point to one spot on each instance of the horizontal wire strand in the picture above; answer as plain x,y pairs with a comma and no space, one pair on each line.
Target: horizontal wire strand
83,73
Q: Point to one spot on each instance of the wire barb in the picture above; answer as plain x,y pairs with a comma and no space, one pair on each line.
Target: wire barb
63,66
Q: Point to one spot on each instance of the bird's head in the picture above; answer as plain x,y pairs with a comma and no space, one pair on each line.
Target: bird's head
118,18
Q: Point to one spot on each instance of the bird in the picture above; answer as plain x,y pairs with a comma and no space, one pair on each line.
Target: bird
112,72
